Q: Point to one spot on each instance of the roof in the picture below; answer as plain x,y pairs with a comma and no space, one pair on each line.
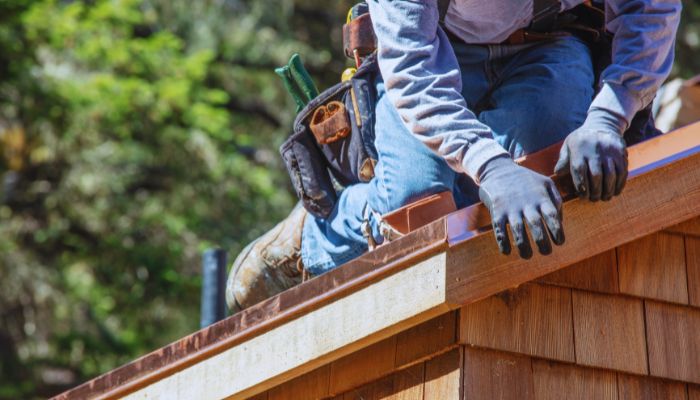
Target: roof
446,265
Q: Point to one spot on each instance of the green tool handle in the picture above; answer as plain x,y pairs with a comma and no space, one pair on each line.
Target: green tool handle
302,77
291,86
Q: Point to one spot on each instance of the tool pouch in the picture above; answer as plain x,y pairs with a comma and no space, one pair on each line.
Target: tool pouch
332,145
358,36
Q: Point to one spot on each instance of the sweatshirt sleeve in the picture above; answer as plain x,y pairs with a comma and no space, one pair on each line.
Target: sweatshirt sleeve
642,54
423,82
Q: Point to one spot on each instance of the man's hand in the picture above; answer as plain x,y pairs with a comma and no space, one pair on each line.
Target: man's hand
517,196
596,156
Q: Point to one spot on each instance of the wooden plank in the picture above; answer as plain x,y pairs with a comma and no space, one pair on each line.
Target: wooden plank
598,274
426,339
494,375
443,375
554,381
533,319
652,201
311,386
693,392
396,303
380,389
363,366
406,384
690,227
609,332
654,267
374,361
640,388
692,259
261,396
673,341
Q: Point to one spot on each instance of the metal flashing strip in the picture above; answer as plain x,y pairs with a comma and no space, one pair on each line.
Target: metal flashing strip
665,161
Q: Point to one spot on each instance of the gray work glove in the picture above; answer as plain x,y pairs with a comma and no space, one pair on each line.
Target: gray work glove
596,156
518,197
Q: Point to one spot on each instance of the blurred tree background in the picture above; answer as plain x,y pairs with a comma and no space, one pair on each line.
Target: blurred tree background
133,135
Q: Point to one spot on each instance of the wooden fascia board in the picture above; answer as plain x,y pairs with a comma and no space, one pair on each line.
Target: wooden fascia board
364,317
664,189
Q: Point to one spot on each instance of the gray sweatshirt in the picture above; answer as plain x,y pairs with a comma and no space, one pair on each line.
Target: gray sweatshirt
422,76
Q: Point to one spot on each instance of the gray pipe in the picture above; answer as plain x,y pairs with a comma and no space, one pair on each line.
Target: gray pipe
213,287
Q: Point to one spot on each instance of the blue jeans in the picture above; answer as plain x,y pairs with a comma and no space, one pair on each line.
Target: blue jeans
531,95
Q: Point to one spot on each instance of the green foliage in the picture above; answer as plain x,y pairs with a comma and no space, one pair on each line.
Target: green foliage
133,135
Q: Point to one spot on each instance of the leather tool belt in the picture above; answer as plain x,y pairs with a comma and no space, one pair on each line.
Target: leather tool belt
358,37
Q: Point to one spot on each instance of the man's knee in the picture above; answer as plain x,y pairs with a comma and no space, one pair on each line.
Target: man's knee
407,170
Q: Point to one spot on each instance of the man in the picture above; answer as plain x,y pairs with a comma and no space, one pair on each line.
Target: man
455,105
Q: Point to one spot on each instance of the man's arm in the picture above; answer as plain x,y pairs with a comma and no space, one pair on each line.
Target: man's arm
642,55
423,82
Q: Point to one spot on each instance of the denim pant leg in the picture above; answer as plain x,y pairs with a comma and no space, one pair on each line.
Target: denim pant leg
406,170
542,94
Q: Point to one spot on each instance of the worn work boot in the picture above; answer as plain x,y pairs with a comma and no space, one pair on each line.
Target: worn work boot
269,265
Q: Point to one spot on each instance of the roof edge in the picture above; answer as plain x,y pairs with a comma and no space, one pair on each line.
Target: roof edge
460,235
